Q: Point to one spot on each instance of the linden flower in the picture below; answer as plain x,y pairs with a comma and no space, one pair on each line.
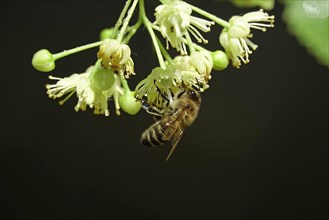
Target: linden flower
235,39
88,94
160,85
66,85
163,85
116,56
175,22
203,63
192,77
200,64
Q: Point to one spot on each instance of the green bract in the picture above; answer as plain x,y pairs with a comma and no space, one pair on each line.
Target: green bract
43,61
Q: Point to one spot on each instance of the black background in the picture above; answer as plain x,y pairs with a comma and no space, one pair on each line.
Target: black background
258,150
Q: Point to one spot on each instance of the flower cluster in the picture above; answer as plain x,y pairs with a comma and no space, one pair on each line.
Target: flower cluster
190,69
186,72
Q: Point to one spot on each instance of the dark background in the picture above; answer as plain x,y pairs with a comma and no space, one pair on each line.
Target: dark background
258,150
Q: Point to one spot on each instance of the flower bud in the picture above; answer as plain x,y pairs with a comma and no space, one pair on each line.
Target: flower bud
129,103
220,60
106,33
43,61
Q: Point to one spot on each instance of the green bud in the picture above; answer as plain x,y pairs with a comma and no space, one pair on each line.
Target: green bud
220,60
129,103
106,33
103,79
43,61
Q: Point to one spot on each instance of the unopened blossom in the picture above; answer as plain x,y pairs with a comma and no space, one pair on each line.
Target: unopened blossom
175,22
236,39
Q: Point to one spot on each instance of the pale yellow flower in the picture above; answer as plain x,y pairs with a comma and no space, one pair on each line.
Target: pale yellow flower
236,39
175,22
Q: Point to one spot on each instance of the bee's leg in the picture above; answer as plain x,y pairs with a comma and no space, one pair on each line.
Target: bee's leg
151,109
155,112
145,104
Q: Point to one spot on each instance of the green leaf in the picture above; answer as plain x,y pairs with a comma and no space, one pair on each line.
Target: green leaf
265,4
309,22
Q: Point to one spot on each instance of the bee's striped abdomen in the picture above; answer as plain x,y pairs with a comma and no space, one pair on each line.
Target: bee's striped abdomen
153,136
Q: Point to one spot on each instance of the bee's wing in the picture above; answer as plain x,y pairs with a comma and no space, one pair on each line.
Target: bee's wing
174,142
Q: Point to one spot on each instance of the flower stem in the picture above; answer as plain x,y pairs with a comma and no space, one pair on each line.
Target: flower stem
162,48
96,66
190,43
126,21
75,50
124,83
195,46
119,22
164,51
149,28
206,14
133,30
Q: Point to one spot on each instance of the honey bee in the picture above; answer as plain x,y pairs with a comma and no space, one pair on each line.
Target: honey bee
180,113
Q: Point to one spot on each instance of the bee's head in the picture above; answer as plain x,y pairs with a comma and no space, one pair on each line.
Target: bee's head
194,95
